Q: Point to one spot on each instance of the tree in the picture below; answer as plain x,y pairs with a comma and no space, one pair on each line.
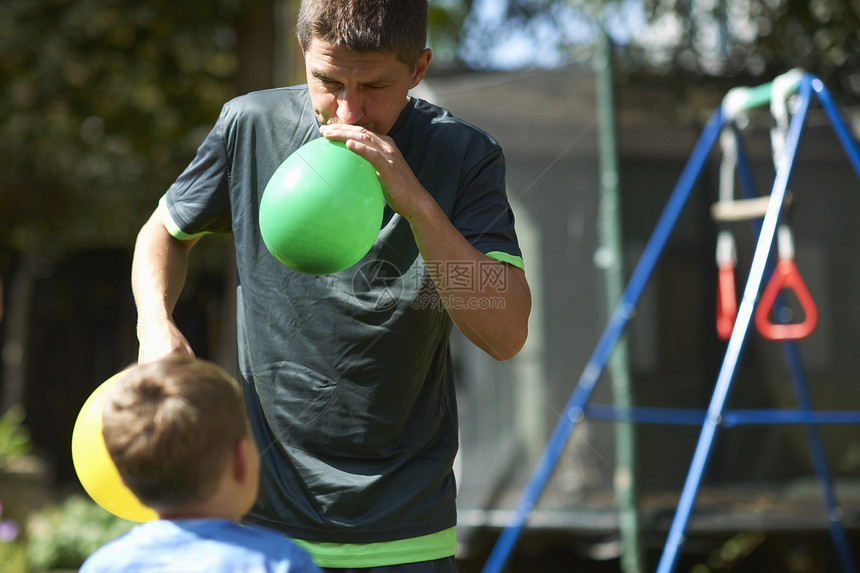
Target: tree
101,105
739,37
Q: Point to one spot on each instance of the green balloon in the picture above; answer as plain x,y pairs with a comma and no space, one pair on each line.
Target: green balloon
322,209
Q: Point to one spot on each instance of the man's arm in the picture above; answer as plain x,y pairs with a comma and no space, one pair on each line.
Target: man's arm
158,272
492,314
488,300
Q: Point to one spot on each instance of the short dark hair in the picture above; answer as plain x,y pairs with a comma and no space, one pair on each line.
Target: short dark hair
396,26
170,426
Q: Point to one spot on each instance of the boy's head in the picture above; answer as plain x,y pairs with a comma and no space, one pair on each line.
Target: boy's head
172,427
395,26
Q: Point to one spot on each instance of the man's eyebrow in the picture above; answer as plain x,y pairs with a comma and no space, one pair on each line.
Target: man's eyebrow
320,75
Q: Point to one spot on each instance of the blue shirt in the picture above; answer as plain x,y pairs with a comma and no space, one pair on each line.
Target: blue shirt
204,545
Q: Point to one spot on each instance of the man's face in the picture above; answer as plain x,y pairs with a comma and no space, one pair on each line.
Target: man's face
367,89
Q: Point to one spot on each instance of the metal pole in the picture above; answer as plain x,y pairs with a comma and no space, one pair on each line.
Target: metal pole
610,257
716,409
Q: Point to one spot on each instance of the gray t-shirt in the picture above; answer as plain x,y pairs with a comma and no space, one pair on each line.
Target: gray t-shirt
347,377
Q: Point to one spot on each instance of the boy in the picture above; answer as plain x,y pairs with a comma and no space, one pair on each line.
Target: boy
177,432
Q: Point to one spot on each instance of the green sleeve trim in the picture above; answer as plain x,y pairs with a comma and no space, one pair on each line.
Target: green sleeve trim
359,555
506,258
171,225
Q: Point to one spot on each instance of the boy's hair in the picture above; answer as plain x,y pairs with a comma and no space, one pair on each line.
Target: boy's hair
169,427
396,26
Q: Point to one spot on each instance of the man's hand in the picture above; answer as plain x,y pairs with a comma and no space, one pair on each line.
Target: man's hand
161,341
403,193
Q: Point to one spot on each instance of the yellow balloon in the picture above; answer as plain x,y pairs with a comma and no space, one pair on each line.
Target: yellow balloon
94,466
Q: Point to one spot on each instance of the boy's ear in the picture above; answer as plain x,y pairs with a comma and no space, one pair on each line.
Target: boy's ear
241,459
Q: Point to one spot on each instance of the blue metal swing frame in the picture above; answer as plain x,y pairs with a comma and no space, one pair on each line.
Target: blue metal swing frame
716,415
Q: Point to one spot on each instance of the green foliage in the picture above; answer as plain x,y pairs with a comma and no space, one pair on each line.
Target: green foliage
13,556
64,536
734,39
729,38
14,443
445,27
14,437
102,104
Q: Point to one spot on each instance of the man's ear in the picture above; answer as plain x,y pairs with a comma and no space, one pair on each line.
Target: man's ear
421,67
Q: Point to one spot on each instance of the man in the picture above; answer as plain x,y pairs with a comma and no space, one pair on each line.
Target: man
346,376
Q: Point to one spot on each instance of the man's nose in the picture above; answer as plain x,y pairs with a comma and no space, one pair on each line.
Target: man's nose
349,107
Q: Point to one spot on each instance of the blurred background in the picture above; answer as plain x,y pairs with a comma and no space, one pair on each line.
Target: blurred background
103,103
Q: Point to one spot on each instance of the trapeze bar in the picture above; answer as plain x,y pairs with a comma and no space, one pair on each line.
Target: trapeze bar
743,209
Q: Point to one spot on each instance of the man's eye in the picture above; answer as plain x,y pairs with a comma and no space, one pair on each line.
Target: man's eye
329,84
